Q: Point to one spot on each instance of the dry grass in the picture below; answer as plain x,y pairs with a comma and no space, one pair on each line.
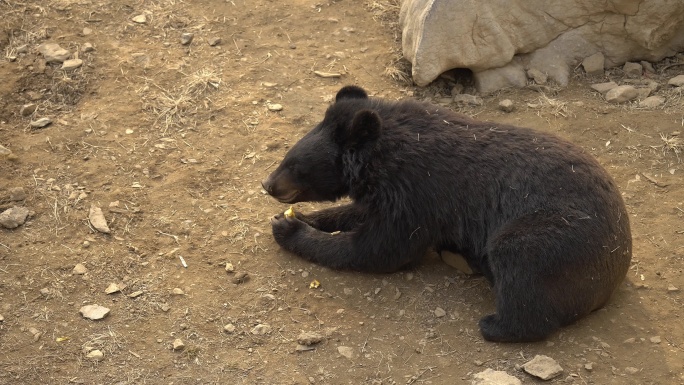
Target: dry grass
672,143
546,104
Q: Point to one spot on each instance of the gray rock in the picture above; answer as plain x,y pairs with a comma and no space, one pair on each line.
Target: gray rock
140,19
87,47
632,70
631,370
621,94
17,194
677,81
594,64
14,217
603,88
543,367
4,151
41,123
28,109
214,41
186,38
652,102
494,377
94,312
275,107
538,76
439,312
309,338
655,340
53,53
71,64
643,93
468,99
229,328
506,105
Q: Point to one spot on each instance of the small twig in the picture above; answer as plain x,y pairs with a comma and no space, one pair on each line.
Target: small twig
269,166
5,246
175,237
670,66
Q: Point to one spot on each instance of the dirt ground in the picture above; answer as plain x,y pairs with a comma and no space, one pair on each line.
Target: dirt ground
181,135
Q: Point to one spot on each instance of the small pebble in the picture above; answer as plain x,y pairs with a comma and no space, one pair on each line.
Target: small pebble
672,288
439,312
94,312
309,338
506,105
177,291
494,377
275,107
28,109
41,123
95,355
589,367
80,269
346,351
229,328
87,47
230,268
17,194
239,278
71,64
112,288
140,19
2,319
543,367
178,344
655,340
261,329
631,370
214,41
87,31
186,38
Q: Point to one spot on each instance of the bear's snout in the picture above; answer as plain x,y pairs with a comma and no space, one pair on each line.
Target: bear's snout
267,184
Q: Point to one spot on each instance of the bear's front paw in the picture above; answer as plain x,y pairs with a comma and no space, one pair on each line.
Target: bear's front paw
285,228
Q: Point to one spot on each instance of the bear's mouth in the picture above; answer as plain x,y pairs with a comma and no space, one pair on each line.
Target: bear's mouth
289,198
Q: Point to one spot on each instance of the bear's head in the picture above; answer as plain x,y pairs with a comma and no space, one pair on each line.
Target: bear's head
314,168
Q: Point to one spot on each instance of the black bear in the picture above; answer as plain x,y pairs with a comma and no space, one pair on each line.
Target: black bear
537,215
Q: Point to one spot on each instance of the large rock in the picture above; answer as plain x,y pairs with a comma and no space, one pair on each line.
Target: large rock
551,36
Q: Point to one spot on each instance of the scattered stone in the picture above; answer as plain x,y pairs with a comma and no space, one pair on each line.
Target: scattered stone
672,288
80,269
304,348
589,367
261,329
98,220
275,107
230,268
346,351
506,105
439,312
456,261
53,53
177,291
28,109
494,377
239,278
2,319
543,367
648,67
468,99
87,47
41,123
652,102
632,70
4,151
14,217
655,340
643,93
214,41
309,338
135,294
178,344
536,75
677,81
45,291
229,328
140,19
94,312
186,38
631,370
112,288
621,94
95,355
71,64
629,341
594,64
603,88
17,194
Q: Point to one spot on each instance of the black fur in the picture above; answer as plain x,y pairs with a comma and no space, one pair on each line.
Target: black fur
537,215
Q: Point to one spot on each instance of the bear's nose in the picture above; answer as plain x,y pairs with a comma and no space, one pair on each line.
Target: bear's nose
266,184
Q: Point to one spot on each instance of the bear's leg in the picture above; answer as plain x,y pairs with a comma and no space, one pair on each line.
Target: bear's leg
549,269
377,245
342,218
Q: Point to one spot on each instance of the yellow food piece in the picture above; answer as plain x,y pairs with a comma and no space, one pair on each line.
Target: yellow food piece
314,284
289,213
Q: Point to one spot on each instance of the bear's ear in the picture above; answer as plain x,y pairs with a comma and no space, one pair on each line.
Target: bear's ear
351,92
365,127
